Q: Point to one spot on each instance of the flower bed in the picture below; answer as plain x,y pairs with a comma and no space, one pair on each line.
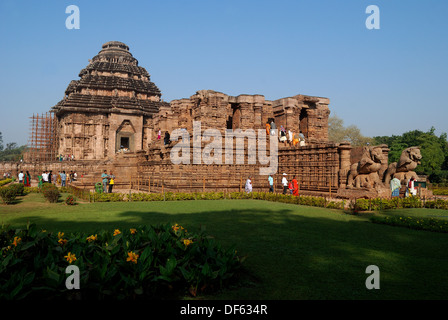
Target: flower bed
146,262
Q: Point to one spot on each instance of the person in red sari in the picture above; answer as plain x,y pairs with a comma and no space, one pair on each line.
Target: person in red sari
27,180
295,187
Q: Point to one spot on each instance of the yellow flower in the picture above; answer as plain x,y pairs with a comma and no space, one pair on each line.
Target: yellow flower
44,230
92,238
187,242
60,235
70,257
16,241
175,227
133,231
116,232
62,241
132,257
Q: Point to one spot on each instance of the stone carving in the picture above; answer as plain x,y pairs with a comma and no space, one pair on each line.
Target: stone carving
404,168
365,173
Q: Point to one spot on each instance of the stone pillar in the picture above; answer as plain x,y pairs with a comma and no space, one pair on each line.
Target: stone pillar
344,162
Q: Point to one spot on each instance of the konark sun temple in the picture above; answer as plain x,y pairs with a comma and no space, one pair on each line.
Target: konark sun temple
113,118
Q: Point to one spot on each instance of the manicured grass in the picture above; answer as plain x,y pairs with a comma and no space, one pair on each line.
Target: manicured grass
293,252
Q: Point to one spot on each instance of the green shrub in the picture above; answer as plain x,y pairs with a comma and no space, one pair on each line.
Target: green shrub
32,190
50,192
109,197
428,224
8,194
147,262
19,188
70,200
5,181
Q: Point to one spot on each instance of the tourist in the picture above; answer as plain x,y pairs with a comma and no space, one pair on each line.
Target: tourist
271,183
282,137
301,139
105,177
295,187
284,183
248,186
159,134
27,180
166,140
395,186
21,177
70,176
63,178
290,187
295,140
50,176
268,128
273,128
111,181
411,190
290,136
75,176
44,177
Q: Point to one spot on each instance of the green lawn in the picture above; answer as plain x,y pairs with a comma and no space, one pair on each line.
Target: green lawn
293,252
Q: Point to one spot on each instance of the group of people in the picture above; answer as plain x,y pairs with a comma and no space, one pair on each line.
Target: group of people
25,178
108,181
288,188
67,157
395,186
286,135
60,178
48,176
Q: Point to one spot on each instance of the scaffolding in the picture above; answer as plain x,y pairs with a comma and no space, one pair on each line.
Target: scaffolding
42,143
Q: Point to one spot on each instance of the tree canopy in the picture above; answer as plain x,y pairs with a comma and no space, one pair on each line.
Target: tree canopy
434,151
12,152
337,132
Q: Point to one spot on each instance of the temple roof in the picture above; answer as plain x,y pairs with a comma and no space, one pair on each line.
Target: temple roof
110,82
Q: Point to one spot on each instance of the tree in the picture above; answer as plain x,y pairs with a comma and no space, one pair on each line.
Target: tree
1,142
338,133
434,151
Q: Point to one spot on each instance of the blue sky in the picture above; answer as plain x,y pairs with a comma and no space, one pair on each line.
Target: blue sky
387,81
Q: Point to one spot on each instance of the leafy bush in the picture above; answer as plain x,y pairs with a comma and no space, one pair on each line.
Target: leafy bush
70,200
108,197
50,192
147,262
428,224
32,190
19,188
5,181
8,194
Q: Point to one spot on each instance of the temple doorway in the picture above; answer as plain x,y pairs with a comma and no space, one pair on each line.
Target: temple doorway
124,140
303,122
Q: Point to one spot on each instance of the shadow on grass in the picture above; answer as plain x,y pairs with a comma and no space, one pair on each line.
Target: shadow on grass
297,252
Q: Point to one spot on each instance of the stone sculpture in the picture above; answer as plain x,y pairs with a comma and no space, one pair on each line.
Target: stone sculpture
365,172
404,168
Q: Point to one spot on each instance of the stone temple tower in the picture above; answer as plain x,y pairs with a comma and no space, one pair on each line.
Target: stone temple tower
110,108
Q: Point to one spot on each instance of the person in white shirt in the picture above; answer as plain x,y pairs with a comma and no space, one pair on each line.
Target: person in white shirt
284,183
44,176
21,177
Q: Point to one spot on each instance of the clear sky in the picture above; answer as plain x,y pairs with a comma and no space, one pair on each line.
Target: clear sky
387,81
